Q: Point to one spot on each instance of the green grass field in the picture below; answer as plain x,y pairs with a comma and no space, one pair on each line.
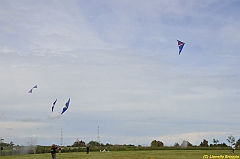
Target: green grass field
151,154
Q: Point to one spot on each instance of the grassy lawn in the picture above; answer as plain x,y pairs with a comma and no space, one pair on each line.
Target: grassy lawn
151,154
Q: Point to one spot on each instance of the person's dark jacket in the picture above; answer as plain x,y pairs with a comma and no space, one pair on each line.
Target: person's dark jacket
53,149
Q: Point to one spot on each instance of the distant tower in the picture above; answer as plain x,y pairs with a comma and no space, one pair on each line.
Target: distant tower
98,137
61,141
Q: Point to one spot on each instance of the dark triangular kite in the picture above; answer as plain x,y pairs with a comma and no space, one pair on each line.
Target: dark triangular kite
180,45
66,106
32,89
54,104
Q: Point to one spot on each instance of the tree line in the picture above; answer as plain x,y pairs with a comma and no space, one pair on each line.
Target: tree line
80,146
204,143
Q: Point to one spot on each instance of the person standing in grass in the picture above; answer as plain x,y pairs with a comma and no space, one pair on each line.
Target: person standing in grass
88,149
53,151
233,147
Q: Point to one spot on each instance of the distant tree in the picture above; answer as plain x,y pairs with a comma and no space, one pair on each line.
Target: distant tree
156,143
107,144
78,143
204,143
223,145
215,141
11,144
93,143
231,139
176,145
238,143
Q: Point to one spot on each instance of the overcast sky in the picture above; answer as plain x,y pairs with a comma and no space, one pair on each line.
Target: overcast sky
118,62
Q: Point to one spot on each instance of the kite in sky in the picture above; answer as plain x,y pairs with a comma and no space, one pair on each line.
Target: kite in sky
66,106
32,89
180,45
54,104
